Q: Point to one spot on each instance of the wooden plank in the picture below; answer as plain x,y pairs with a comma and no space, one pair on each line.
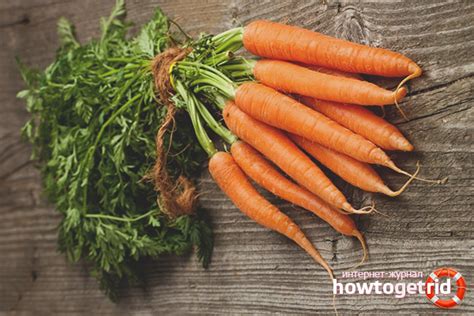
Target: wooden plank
254,270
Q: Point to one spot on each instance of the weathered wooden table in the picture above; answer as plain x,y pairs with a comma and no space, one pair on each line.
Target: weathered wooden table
254,270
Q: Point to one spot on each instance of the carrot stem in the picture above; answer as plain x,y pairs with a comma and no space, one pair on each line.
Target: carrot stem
228,39
191,107
207,78
215,126
245,64
219,58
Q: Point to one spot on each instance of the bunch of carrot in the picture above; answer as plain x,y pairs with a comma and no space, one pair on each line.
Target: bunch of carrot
308,101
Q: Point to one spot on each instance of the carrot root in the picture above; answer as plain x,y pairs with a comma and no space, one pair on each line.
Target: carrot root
357,234
384,113
391,193
381,213
318,258
371,209
415,74
392,166
350,210
401,111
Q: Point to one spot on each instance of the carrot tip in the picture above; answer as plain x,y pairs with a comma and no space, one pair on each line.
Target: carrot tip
331,274
400,191
443,181
437,181
384,113
364,210
401,111
415,70
334,304
402,144
400,91
405,145
381,213
357,234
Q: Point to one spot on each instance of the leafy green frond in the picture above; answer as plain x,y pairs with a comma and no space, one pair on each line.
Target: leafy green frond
202,237
152,38
93,124
29,76
66,34
113,25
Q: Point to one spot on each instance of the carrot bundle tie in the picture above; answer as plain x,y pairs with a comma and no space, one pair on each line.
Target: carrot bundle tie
177,198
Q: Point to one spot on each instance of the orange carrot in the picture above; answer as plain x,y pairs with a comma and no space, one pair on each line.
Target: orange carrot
285,42
278,148
233,182
363,122
333,72
267,176
357,173
291,78
278,110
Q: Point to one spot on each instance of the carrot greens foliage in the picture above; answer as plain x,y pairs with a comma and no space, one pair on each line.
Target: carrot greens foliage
93,127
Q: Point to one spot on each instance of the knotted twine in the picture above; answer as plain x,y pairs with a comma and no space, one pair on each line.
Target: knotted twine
176,197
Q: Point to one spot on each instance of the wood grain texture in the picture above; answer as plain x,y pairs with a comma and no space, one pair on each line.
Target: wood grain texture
255,271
